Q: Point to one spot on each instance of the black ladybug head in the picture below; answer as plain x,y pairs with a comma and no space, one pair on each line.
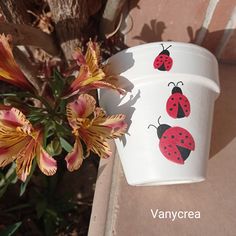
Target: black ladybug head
165,51
160,129
176,89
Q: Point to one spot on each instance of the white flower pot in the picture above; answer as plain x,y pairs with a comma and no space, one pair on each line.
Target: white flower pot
169,110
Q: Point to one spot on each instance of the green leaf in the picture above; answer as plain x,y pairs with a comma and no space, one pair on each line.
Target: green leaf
9,178
3,190
17,207
57,83
10,230
17,94
49,130
54,147
65,145
24,185
41,207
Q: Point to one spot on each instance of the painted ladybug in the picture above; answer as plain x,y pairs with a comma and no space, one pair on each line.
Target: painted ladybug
176,143
177,105
163,61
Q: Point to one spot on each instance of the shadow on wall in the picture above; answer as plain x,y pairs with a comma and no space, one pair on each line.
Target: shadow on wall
224,125
154,31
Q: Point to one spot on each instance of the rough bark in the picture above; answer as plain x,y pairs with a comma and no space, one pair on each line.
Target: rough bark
15,11
70,19
28,35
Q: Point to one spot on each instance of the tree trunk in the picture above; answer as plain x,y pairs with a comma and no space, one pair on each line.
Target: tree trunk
70,18
15,11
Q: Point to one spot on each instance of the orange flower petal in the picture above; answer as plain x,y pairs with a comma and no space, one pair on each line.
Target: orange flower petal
5,156
94,129
89,70
95,140
46,163
115,123
80,108
15,131
9,70
14,118
10,148
100,85
74,159
24,160
92,56
83,76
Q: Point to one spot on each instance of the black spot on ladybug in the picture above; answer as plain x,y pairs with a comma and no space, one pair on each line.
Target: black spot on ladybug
180,133
172,136
178,158
164,147
182,141
190,144
180,98
185,105
186,136
172,99
174,104
164,137
171,109
169,153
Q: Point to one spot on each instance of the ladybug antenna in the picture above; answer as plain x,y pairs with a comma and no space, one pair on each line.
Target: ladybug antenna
173,84
152,126
162,46
158,121
180,82
168,47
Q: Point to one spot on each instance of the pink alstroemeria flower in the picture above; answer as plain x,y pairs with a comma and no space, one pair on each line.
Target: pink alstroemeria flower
91,125
20,142
9,70
91,75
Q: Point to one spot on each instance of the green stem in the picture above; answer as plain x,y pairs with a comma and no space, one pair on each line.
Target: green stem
18,207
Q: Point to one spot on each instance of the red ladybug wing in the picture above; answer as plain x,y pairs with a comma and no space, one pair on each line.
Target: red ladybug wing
173,137
180,137
173,103
158,62
170,151
168,63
